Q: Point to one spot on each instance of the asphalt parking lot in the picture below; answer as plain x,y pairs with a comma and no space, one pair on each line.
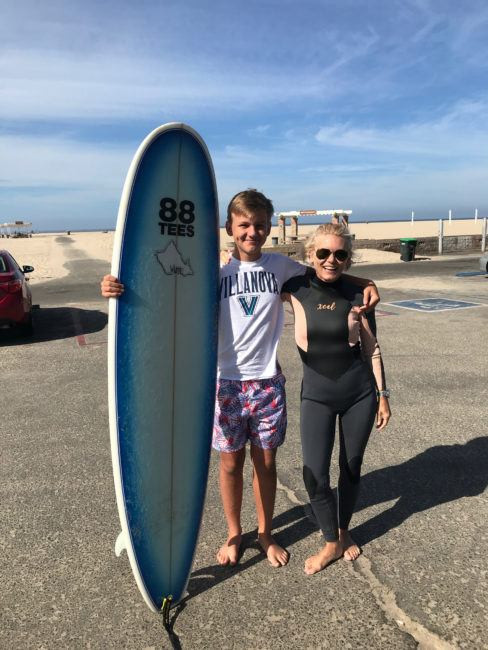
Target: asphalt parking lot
421,519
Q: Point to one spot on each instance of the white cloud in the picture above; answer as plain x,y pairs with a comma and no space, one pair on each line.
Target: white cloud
459,132
61,183
61,163
60,86
346,169
104,60
259,130
430,193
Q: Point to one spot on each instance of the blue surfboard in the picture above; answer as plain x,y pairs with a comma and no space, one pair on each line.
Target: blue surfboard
162,356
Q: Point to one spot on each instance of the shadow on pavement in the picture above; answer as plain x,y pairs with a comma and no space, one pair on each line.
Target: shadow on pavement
53,323
173,638
438,475
82,284
298,527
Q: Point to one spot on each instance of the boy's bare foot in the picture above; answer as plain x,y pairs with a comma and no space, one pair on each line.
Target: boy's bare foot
228,553
351,549
331,552
276,555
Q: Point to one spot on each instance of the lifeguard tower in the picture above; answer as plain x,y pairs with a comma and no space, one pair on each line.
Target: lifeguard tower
337,216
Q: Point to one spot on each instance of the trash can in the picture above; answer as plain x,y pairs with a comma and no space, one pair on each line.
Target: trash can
407,249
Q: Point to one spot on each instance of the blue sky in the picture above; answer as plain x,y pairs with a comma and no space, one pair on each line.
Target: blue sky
377,106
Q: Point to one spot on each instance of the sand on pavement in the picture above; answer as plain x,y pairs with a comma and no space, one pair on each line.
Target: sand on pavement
47,252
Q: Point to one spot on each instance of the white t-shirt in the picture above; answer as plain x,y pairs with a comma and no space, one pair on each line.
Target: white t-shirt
251,315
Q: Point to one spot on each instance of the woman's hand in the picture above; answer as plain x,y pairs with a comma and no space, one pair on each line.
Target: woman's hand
111,287
383,414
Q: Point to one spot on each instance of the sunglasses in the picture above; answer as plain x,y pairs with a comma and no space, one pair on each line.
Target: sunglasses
340,255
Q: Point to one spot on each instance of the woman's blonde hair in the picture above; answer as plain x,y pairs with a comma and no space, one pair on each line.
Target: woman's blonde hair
337,229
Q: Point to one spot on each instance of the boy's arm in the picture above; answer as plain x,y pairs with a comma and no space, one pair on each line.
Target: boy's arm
110,287
371,297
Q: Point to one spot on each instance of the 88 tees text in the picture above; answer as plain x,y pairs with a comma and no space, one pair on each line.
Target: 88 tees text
177,219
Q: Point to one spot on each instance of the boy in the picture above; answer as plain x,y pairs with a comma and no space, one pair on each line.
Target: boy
250,400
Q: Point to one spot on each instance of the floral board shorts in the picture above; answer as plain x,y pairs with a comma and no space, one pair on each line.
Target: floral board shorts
249,410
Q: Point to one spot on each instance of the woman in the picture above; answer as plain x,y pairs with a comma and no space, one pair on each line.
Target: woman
343,378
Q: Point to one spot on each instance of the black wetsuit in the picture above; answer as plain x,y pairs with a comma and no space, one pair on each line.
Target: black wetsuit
337,382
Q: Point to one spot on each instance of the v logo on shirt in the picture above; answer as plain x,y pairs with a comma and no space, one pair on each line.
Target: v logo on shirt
248,305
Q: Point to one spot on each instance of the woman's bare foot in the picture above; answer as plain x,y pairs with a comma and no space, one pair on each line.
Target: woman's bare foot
351,549
331,552
276,555
228,553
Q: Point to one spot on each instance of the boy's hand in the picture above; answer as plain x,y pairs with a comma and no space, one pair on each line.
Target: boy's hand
371,297
111,287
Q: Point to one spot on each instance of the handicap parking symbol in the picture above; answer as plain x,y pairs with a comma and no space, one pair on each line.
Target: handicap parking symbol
434,304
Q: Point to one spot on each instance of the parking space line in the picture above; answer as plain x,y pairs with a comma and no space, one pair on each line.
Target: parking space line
80,337
380,312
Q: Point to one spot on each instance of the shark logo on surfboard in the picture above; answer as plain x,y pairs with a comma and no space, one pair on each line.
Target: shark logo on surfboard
172,262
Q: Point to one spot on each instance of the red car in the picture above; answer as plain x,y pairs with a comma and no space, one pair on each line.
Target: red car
15,294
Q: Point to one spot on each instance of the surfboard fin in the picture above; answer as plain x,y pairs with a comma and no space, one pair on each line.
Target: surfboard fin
120,544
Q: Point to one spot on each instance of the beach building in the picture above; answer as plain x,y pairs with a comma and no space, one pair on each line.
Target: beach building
16,229
337,216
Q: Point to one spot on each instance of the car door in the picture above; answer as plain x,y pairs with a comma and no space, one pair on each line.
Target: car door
26,292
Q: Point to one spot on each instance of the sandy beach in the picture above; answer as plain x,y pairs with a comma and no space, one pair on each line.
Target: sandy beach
48,256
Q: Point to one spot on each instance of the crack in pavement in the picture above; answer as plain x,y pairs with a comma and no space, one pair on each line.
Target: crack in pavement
386,601
385,598
289,493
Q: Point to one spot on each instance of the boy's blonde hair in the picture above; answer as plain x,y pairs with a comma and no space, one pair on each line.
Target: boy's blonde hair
249,201
337,229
